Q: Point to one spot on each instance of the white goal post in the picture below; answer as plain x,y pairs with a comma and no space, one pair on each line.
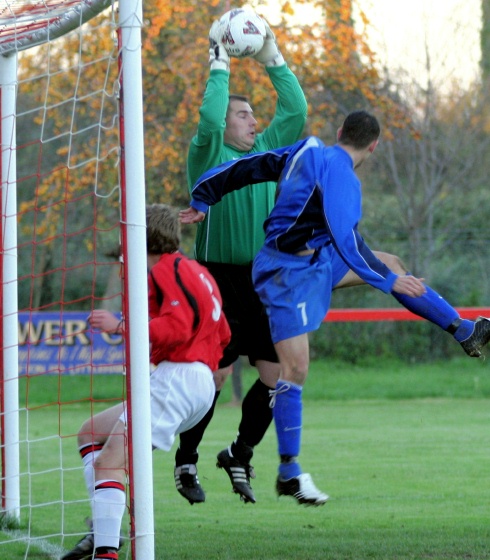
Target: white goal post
27,24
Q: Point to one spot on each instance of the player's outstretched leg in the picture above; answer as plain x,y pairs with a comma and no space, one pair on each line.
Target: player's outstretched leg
472,335
478,338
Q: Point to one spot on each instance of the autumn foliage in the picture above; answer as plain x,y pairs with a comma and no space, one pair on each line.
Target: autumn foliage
330,56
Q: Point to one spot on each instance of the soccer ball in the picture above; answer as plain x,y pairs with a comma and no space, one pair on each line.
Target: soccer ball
242,32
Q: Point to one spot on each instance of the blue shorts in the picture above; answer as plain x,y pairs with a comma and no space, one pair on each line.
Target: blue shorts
296,290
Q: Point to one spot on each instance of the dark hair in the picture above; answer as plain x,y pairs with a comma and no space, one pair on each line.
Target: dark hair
235,97
359,130
162,229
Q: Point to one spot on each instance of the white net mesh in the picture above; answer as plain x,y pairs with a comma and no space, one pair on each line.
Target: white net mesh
68,188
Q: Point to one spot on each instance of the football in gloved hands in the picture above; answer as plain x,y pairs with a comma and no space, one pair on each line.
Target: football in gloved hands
242,32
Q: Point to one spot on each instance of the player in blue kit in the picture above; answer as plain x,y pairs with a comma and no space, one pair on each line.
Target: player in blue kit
313,246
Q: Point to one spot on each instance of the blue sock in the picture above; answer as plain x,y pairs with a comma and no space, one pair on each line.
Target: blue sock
430,306
464,330
434,308
288,413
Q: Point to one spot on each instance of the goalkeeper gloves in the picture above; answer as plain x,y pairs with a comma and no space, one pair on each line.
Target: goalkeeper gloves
269,54
218,57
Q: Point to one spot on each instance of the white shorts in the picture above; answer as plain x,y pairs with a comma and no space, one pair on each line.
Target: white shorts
180,396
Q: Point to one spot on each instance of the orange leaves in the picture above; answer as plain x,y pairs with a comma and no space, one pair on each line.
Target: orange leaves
287,9
328,52
186,16
164,12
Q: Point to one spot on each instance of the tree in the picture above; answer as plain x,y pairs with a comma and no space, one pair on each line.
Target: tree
485,41
331,60
433,173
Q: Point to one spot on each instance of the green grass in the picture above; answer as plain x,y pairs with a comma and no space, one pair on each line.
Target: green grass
403,451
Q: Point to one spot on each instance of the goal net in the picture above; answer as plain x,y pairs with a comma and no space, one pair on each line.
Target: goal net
71,242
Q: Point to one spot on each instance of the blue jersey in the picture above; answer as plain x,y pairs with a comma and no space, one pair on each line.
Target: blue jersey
318,202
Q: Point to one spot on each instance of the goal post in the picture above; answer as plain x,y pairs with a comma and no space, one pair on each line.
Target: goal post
31,24
9,375
134,235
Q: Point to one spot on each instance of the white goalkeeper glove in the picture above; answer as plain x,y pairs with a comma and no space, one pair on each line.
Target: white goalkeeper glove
269,54
218,57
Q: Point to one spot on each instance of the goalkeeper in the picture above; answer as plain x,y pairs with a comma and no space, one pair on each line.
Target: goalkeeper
227,242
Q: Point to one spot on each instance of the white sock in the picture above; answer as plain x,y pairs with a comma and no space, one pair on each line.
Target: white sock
89,453
108,505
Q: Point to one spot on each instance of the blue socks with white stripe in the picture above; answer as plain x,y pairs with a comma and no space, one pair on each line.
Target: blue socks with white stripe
434,308
287,410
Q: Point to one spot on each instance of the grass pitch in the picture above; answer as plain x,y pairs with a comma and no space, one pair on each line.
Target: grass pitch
403,451
407,480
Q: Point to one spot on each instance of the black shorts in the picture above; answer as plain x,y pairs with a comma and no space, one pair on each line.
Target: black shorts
250,332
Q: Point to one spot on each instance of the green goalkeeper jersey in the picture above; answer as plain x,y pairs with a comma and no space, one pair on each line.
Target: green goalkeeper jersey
233,229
